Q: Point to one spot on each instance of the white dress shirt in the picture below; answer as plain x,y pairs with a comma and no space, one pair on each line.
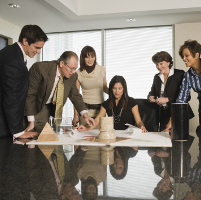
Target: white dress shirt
164,83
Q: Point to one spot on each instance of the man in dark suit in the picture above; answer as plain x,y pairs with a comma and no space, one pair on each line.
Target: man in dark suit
14,80
44,77
26,172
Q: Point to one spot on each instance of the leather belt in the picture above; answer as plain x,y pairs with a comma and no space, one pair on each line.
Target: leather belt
93,106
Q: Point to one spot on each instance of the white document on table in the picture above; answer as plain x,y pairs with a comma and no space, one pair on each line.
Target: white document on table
133,129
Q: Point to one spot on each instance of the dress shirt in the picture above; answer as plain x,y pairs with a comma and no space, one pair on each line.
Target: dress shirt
25,60
191,80
58,181
163,172
163,83
32,118
24,54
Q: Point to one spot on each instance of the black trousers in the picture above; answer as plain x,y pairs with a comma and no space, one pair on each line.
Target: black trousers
165,114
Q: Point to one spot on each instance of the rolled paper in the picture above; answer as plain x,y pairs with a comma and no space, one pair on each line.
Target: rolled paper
180,121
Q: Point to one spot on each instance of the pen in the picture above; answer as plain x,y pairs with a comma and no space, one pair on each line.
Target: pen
77,123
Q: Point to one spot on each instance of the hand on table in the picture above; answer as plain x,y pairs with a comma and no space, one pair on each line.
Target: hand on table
81,128
28,134
144,130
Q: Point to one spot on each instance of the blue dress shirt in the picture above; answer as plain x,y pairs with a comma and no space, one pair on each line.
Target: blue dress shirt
191,80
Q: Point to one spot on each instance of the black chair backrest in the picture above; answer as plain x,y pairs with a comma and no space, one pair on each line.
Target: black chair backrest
149,113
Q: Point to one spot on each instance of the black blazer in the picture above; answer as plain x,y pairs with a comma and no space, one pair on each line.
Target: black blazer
157,161
14,83
172,86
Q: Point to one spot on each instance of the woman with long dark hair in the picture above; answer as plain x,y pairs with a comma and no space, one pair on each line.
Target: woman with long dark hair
121,156
92,81
123,108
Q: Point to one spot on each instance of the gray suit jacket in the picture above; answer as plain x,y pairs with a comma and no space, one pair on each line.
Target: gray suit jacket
42,76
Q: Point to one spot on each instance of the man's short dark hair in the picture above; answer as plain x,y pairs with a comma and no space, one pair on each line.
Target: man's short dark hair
32,33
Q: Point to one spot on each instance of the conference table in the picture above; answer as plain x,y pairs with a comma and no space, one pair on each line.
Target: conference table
31,171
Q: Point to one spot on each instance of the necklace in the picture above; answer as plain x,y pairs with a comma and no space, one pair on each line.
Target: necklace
117,117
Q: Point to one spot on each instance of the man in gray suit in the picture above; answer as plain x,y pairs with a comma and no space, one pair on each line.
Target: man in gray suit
43,78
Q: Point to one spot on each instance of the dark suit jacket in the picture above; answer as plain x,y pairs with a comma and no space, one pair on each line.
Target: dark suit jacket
41,176
27,171
157,161
14,82
172,86
42,76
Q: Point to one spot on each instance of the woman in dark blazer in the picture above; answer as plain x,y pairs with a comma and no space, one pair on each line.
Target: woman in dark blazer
166,86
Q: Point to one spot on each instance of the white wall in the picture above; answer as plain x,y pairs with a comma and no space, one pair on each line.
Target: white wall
185,32
12,32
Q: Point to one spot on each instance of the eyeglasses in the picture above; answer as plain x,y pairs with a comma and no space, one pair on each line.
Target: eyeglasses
72,69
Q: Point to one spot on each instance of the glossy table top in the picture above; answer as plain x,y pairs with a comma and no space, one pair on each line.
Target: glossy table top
97,172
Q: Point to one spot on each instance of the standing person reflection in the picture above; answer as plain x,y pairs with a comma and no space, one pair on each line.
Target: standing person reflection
121,156
91,173
92,80
162,166
166,85
123,108
194,179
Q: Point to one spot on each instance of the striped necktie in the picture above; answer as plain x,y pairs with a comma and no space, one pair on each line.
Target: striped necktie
58,99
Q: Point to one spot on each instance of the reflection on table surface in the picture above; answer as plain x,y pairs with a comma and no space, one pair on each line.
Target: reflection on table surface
97,172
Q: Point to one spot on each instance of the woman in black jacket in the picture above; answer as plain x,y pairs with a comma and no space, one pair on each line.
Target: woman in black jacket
166,86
